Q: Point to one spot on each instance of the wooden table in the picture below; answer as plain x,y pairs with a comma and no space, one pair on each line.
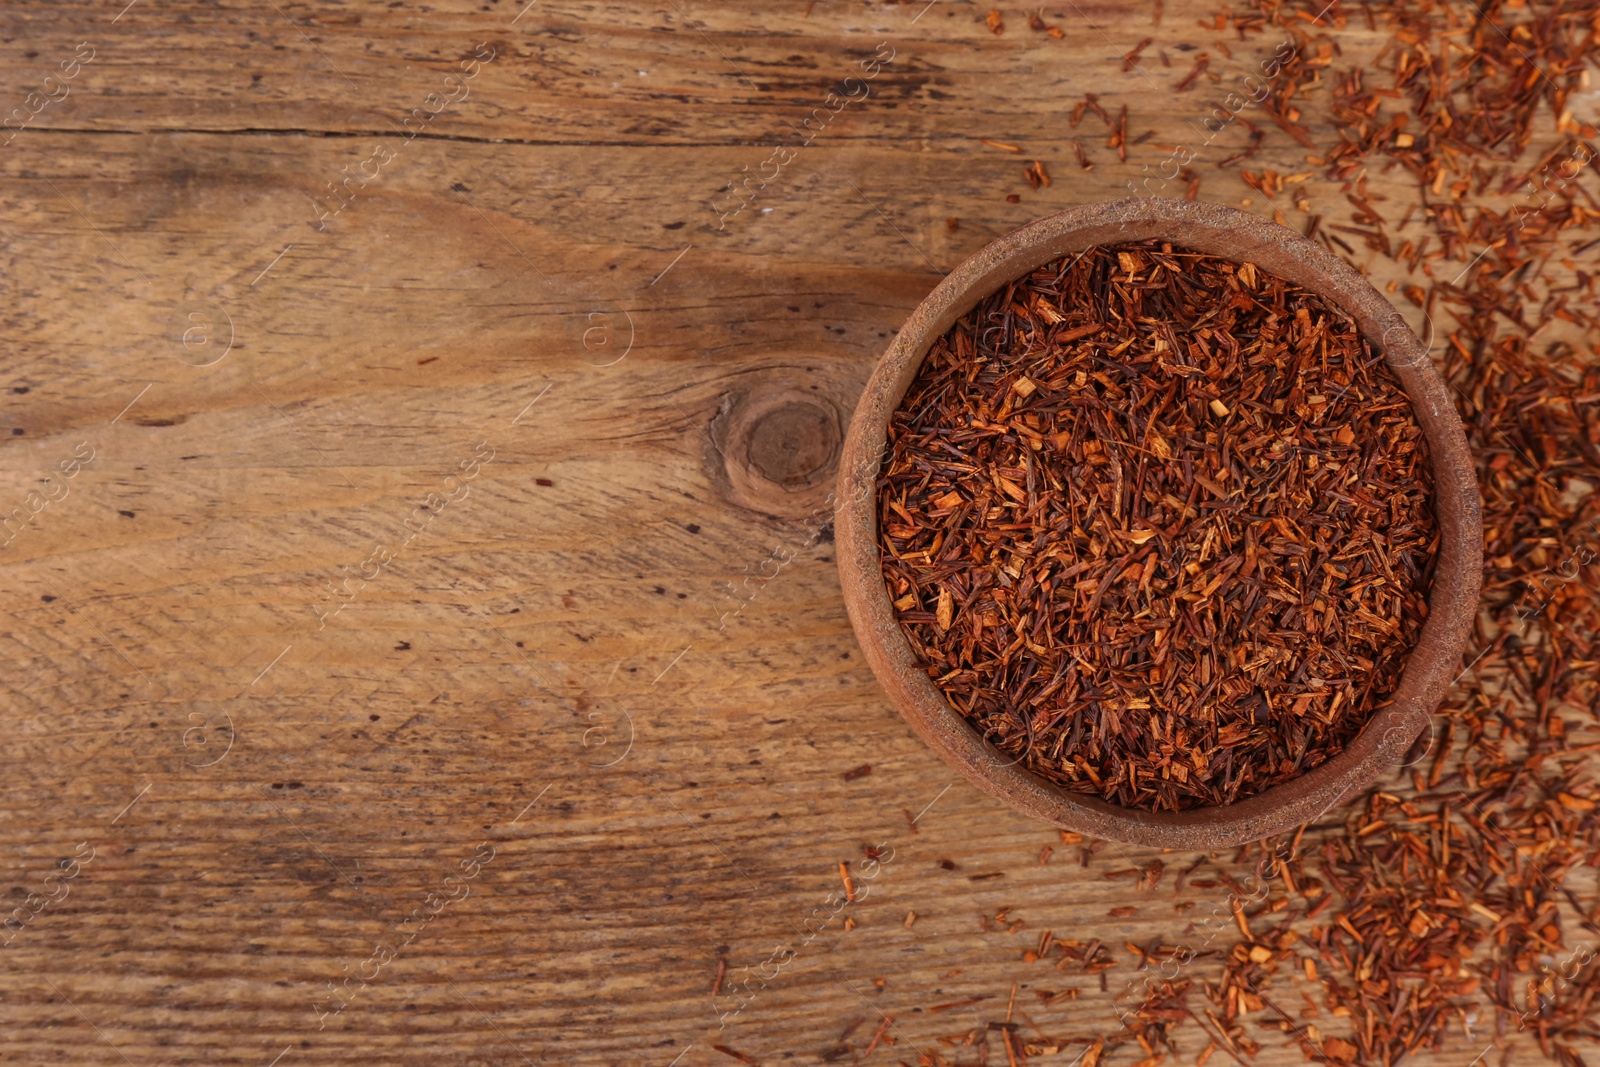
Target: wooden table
427,647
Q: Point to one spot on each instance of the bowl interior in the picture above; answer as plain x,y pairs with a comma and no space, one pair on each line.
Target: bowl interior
1452,598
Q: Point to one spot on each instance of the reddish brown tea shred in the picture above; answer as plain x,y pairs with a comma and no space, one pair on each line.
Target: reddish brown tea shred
1159,525
1453,911
1459,912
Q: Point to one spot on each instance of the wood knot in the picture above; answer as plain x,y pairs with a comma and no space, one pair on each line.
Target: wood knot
793,444
776,449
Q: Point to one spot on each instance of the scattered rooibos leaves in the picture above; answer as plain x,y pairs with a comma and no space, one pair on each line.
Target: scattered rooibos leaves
1455,914
1159,525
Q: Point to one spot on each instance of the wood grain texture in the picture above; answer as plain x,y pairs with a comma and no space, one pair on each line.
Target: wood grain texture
616,653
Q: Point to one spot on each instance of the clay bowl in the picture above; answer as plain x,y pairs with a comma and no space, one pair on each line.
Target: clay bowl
1452,600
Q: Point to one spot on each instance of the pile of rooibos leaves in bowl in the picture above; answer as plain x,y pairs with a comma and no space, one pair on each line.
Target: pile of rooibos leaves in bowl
1159,525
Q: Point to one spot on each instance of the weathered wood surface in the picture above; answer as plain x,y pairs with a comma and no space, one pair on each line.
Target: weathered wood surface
547,661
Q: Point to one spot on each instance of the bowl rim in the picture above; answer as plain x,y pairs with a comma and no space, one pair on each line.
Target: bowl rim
1452,598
